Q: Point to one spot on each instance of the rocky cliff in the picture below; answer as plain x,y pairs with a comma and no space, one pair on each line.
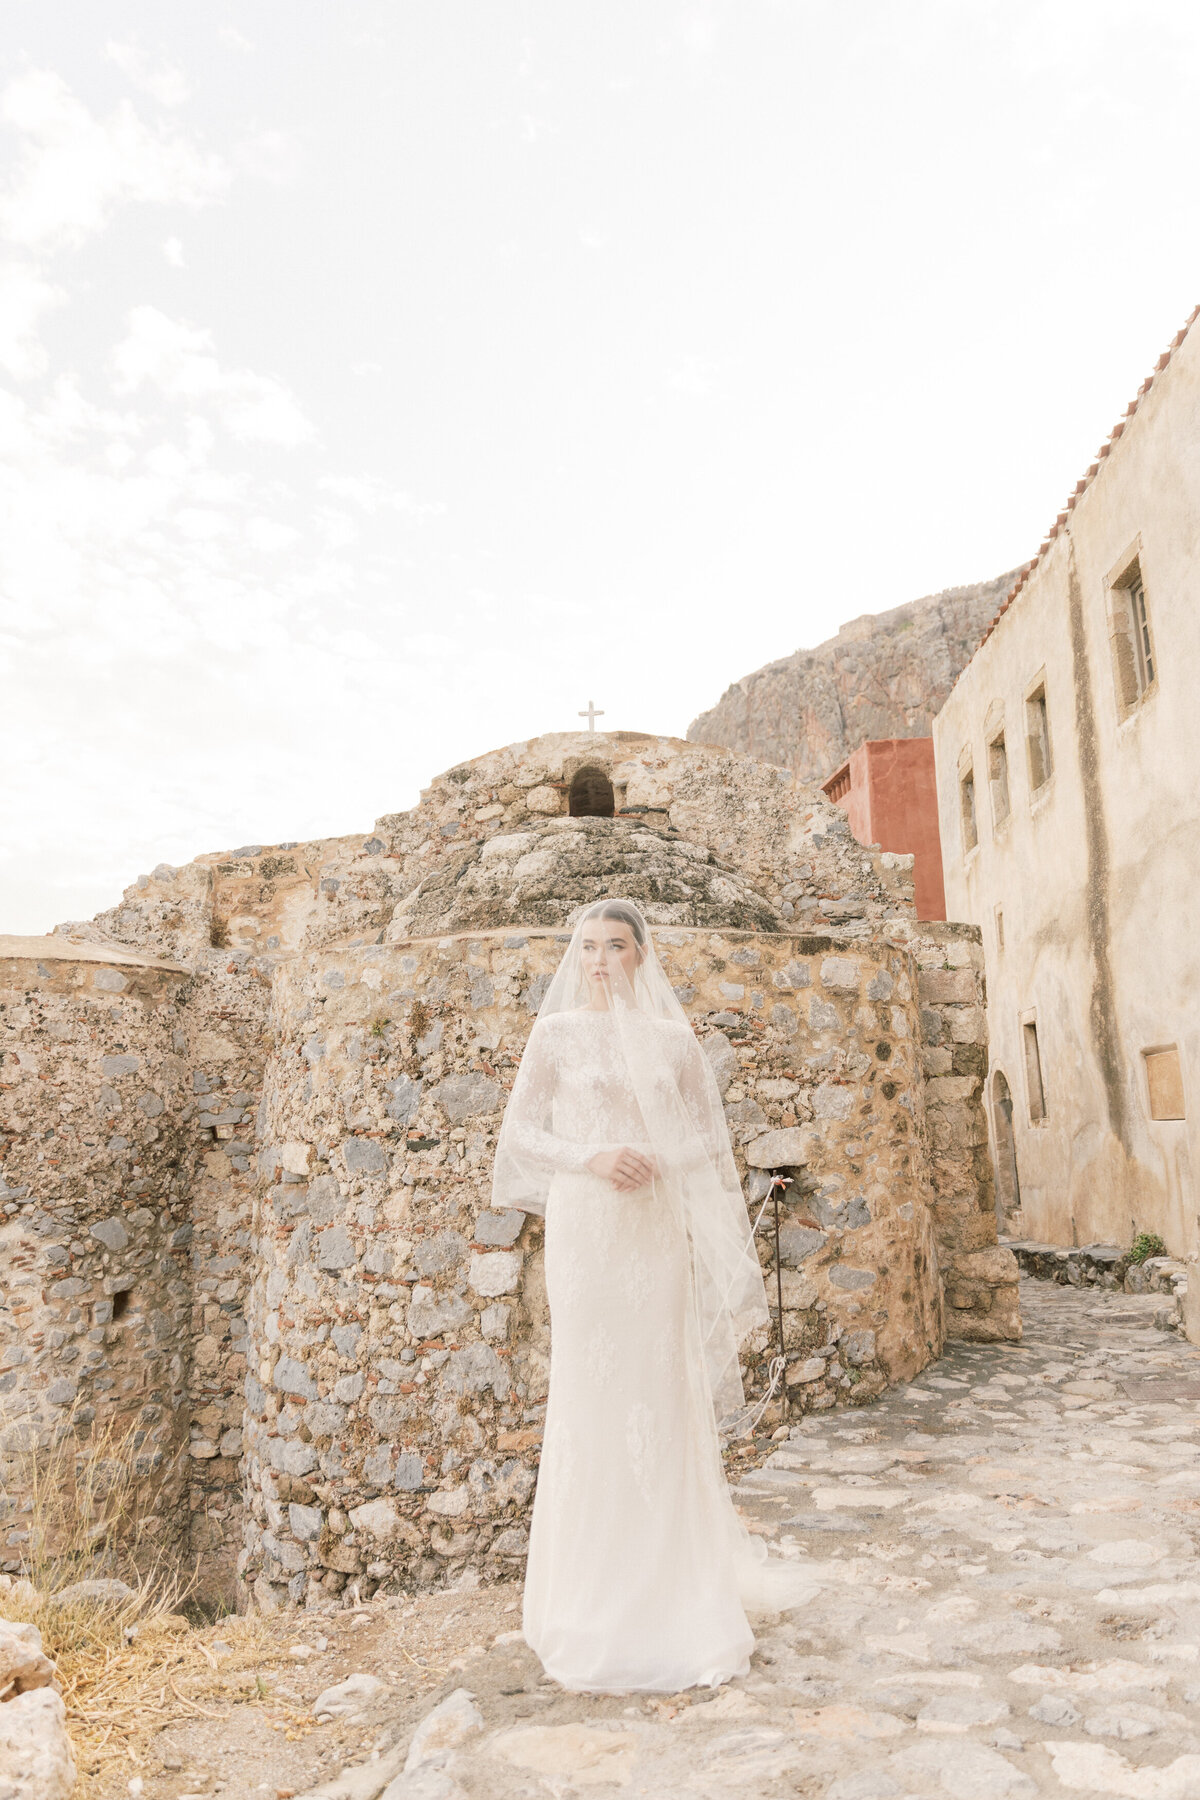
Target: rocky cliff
884,675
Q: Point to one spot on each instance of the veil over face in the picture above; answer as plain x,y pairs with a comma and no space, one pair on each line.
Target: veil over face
659,1076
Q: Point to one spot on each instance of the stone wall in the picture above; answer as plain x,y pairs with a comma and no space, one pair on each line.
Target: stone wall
128,1246
790,843
227,1045
400,1330
979,1276
288,1165
95,1178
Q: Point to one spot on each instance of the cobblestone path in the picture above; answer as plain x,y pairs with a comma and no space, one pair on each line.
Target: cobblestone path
1005,1562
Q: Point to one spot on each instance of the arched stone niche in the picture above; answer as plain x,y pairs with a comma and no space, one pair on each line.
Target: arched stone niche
1008,1181
591,794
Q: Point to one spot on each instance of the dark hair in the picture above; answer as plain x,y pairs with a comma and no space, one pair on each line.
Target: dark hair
628,915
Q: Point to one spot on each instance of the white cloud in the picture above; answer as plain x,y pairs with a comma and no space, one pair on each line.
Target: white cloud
24,295
178,360
269,535
694,375
173,252
162,81
699,34
73,170
231,37
373,495
270,156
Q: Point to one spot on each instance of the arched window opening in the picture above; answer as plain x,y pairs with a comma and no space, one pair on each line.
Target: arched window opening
1008,1185
592,795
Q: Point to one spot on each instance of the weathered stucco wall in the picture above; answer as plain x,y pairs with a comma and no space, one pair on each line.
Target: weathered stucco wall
399,1324
892,801
1094,870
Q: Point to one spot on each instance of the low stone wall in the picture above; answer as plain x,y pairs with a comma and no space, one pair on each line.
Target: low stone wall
397,1389
1108,1266
95,1190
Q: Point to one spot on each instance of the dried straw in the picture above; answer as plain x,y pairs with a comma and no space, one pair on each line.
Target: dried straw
130,1665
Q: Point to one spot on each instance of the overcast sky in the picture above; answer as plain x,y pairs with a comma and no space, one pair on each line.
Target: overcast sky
383,381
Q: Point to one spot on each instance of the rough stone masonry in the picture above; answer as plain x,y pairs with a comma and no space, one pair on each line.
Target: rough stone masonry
248,1118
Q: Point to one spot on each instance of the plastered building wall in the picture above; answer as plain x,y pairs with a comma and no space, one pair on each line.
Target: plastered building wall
1084,883
888,790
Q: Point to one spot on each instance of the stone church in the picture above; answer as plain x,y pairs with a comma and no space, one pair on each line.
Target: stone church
247,1120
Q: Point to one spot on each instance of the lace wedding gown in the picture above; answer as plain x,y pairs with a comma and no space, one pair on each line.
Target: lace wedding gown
638,1562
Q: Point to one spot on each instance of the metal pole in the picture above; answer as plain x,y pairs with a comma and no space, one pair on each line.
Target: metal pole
780,1181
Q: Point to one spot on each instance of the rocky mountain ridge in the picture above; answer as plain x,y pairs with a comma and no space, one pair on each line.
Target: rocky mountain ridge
884,675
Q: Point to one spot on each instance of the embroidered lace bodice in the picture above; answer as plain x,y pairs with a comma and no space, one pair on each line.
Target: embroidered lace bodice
582,1098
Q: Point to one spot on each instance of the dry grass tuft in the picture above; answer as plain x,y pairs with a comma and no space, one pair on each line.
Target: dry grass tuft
129,1662
130,1668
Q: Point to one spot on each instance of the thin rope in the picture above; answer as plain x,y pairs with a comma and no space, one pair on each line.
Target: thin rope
778,1363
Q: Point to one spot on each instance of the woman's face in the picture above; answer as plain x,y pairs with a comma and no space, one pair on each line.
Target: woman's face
610,955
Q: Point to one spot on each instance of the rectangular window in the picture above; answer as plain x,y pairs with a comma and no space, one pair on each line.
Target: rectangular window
998,779
1132,644
1033,1072
1164,1079
999,928
1037,738
970,828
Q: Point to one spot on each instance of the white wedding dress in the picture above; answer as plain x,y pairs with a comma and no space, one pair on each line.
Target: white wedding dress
637,1559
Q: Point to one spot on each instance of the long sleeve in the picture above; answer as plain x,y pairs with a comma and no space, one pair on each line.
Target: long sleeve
530,1115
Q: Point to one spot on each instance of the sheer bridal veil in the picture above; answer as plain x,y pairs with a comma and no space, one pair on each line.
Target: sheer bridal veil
658,1062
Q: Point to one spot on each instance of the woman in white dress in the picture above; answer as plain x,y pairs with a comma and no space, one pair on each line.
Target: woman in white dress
639,1567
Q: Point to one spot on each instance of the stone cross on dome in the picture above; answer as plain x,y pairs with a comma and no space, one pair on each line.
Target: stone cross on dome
593,713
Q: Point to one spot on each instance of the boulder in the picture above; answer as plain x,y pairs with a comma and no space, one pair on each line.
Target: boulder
35,1751
450,1723
23,1665
348,1697
104,1591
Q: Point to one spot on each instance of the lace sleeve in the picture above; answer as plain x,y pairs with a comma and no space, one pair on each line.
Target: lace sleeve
532,1114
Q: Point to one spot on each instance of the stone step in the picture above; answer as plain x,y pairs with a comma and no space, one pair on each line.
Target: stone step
1107,1266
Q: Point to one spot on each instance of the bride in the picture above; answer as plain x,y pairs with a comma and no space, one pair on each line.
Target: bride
639,1567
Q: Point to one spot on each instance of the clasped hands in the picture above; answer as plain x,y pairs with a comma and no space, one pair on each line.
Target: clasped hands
626,1169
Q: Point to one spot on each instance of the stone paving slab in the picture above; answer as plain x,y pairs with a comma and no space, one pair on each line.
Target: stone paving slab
1005,1573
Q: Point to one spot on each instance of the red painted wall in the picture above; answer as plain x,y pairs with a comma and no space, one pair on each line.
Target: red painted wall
892,802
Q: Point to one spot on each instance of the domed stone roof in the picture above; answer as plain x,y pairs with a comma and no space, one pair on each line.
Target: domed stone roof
543,874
